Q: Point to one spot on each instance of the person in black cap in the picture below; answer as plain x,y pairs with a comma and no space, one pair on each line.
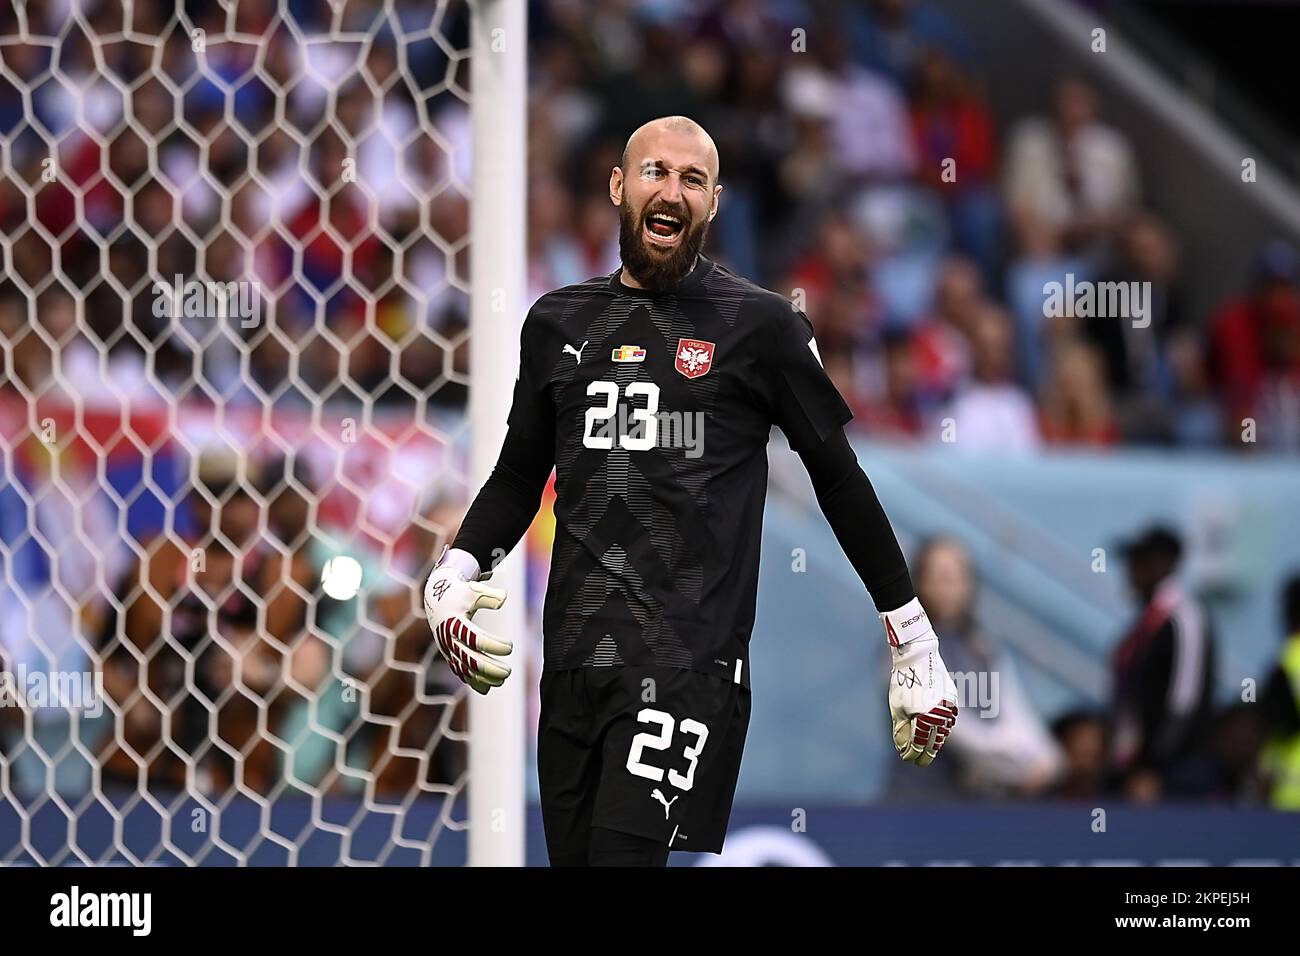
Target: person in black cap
1163,671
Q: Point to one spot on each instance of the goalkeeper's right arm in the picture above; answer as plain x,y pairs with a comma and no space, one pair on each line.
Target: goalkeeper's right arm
498,518
509,499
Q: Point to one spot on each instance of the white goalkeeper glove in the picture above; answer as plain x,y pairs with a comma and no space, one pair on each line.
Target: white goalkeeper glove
922,696
451,596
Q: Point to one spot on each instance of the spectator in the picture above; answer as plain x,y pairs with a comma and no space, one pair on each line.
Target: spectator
555,258
867,114
952,129
233,603
897,414
890,35
1137,362
639,88
807,170
755,134
832,279
992,412
1233,772
1163,671
1082,738
1071,180
943,338
169,599
1198,418
1256,356
1076,403
1002,746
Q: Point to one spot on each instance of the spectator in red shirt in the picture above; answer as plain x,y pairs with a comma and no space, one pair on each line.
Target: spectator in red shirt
951,121
897,413
942,340
1254,340
831,282
952,133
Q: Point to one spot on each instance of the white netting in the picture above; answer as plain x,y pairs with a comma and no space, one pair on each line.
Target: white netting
181,460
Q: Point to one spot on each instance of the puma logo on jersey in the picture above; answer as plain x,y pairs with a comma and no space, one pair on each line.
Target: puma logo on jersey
576,353
658,795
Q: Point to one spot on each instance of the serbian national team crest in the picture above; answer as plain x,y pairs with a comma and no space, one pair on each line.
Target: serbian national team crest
694,358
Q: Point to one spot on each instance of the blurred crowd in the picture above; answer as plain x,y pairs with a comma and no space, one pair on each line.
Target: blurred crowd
227,659
865,175
1162,735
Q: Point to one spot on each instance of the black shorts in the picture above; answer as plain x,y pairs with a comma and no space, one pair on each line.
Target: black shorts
652,751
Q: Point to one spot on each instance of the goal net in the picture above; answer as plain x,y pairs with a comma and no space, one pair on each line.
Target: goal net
236,326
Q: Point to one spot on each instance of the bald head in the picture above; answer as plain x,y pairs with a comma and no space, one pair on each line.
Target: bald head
680,131
666,191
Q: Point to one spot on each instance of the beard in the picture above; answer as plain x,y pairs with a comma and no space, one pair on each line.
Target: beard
658,270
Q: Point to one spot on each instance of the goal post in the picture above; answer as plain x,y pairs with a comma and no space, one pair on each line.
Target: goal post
498,65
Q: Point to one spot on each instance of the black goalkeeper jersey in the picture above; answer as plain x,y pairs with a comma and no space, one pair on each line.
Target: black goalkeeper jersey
660,407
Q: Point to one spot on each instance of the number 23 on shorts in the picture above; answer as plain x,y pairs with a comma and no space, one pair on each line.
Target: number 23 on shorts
647,740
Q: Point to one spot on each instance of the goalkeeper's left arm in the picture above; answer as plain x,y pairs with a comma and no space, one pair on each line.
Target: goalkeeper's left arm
922,696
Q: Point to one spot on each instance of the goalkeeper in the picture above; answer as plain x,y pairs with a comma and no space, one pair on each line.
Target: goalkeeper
645,697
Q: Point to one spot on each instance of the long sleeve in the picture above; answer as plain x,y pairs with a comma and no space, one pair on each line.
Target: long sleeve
508,500
849,502
505,506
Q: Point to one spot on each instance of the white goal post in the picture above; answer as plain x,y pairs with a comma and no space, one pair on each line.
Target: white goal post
498,63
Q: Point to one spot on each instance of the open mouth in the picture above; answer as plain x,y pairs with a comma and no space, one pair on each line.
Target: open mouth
663,229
